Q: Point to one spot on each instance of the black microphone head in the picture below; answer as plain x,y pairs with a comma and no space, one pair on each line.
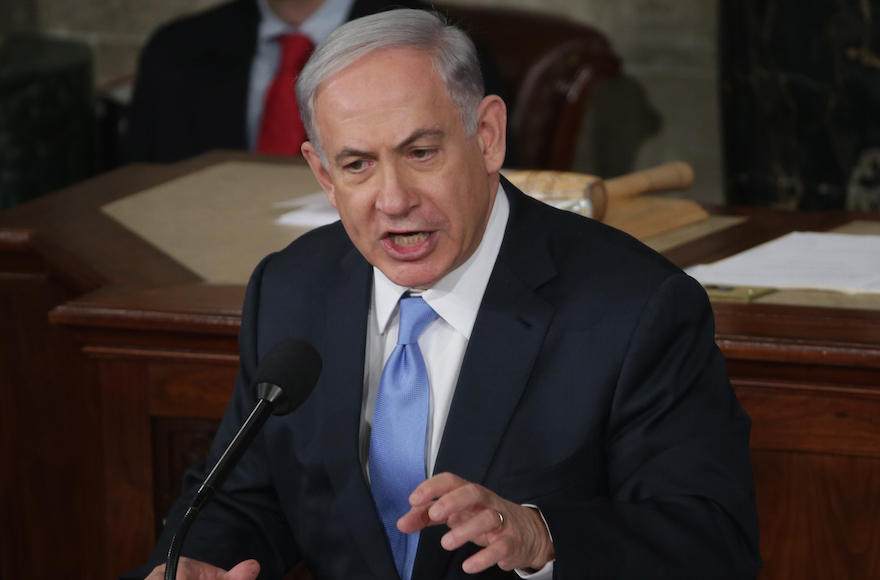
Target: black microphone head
293,366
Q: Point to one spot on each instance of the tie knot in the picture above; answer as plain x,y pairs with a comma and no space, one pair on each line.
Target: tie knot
415,315
295,51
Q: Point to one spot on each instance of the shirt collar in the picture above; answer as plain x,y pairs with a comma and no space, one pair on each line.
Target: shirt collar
457,296
330,16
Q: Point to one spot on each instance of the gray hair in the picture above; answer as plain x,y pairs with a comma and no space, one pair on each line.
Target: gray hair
451,50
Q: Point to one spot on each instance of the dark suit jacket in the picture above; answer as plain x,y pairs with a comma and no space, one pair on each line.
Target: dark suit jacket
591,387
192,87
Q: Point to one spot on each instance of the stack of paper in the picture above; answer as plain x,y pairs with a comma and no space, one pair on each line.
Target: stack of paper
803,260
313,210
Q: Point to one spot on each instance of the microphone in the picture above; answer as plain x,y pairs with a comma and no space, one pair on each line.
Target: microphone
284,378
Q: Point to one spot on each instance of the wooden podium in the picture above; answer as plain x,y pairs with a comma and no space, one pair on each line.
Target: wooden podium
116,361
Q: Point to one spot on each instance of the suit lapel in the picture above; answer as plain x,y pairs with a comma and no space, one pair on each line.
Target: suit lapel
507,337
348,307
219,83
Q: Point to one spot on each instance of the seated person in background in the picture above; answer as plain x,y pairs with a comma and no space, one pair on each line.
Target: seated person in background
567,412
206,81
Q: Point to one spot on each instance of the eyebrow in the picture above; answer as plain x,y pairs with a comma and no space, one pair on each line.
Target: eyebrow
349,152
416,135
412,138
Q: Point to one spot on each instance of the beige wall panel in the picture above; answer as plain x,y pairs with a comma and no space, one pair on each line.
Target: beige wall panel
133,17
690,132
667,47
650,32
114,60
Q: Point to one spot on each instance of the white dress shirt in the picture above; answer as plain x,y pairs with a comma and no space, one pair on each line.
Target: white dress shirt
267,57
456,299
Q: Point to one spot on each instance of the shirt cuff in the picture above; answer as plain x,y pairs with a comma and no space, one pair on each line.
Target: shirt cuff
545,573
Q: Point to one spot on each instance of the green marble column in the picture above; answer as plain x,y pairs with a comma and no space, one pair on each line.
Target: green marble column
47,121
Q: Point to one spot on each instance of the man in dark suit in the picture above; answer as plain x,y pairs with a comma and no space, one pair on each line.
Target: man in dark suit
581,423
202,80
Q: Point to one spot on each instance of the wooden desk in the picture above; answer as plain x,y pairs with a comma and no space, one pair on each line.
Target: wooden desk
116,363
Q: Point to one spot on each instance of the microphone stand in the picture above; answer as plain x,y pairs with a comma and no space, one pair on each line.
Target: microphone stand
269,395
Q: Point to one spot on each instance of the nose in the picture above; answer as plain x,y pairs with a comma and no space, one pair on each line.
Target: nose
396,196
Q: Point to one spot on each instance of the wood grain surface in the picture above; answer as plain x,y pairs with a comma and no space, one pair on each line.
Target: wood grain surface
116,362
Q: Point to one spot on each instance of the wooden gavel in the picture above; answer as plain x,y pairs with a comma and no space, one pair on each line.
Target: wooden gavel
554,186
667,177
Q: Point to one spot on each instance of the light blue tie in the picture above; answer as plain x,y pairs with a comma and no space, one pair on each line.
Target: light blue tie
400,425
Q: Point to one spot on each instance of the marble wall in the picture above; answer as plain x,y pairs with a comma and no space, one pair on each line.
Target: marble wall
114,29
17,16
669,87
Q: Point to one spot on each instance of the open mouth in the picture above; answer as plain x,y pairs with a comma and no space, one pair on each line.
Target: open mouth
409,246
408,239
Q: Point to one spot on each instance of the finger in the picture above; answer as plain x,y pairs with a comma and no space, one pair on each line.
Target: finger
415,519
460,517
474,529
189,569
469,496
158,573
489,556
435,487
247,570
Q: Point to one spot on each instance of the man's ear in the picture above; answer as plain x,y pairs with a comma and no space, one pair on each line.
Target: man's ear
492,131
321,173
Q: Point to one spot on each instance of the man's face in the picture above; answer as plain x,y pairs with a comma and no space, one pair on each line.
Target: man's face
413,191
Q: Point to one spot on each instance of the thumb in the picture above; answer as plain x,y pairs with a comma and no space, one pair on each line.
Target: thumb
247,570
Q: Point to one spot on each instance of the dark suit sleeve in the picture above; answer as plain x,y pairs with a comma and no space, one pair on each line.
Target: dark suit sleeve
245,520
138,141
681,495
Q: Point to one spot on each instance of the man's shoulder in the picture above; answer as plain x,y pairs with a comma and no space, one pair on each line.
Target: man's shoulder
366,7
194,34
580,243
319,253
588,270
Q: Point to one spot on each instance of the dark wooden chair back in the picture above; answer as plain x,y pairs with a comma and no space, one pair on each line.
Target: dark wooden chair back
551,66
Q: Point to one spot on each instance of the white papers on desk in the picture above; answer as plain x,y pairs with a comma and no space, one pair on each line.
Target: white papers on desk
310,211
805,260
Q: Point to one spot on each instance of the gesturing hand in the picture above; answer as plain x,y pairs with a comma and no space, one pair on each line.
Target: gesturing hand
513,536
188,569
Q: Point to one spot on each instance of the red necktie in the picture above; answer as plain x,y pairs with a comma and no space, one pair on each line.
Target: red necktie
281,129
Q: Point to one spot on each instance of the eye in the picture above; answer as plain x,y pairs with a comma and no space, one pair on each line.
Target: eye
357,166
423,154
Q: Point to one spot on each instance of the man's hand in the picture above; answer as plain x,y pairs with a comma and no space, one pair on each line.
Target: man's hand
513,536
188,569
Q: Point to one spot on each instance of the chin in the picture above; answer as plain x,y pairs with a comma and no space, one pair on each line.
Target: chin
412,276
